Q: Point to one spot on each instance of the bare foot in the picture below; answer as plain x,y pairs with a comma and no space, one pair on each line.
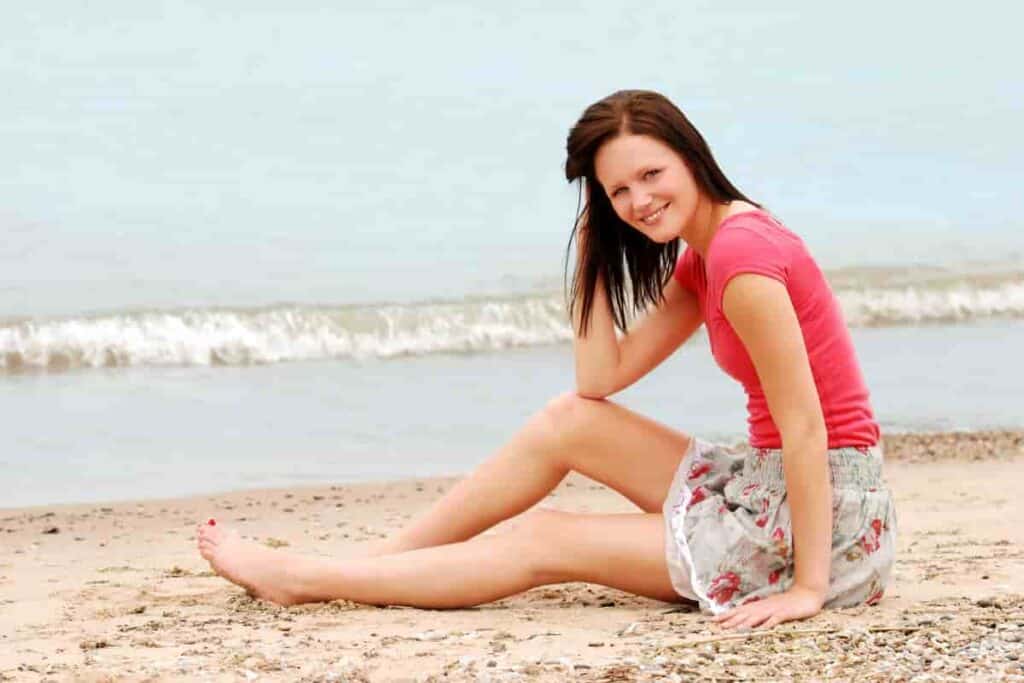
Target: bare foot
262,572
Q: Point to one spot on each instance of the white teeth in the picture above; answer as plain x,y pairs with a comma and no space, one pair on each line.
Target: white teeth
654,216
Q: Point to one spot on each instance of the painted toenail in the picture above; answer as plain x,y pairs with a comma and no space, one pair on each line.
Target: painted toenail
212,522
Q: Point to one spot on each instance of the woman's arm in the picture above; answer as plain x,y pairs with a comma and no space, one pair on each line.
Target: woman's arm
761,312
606,364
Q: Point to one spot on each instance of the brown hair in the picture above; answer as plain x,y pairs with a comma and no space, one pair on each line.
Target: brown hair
612,248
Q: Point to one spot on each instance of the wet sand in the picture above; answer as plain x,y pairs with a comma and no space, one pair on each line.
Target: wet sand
118,592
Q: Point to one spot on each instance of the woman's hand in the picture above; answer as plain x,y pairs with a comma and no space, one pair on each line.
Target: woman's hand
795,604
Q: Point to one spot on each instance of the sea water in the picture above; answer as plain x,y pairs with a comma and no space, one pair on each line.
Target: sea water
249,244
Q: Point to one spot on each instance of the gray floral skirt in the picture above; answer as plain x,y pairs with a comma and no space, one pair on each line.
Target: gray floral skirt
728,533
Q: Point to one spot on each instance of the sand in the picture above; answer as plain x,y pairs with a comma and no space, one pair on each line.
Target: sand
118,592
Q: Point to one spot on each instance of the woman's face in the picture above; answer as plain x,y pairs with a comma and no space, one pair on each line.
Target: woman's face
648,184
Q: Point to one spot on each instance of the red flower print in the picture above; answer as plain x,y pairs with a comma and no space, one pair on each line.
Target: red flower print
723,587
763,519
699,469
876,597
698,495
871,541
773,578
722,509
779,537
751,599
748,489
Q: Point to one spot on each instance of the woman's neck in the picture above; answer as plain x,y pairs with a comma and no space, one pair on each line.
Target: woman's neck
705,224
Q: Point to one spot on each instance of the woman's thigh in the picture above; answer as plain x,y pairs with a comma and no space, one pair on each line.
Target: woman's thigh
623,551
633,454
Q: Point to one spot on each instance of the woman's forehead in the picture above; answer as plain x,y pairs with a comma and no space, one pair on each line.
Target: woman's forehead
622,156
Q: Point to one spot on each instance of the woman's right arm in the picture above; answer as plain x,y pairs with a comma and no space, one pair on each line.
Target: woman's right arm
606,364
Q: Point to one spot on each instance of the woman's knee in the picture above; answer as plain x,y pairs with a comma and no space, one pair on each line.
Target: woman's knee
568,415
540,533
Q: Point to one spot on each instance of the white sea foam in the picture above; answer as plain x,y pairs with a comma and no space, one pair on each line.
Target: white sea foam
289,333
243,337
915,305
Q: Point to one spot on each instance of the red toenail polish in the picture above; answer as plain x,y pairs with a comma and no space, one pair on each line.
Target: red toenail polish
212,522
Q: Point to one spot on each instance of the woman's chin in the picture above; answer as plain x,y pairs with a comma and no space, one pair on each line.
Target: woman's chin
661,235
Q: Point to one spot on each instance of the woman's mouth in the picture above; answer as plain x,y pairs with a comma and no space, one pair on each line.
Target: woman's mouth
652,218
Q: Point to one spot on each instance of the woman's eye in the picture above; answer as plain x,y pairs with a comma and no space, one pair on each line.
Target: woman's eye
653,172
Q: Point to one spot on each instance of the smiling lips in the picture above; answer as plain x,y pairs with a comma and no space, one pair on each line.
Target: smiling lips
652,218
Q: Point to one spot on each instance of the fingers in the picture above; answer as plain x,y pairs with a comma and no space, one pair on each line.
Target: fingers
747,616
758,615
767,613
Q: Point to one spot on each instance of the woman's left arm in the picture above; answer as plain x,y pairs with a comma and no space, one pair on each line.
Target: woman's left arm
761,312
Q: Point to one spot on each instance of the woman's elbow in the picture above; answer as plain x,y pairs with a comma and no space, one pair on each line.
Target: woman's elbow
592,390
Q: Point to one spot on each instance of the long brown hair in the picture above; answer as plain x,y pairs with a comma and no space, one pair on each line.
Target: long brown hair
610,247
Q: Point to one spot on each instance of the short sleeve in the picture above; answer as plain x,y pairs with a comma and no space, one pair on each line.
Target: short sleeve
738,249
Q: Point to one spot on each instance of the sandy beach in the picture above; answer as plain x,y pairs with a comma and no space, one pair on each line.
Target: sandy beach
118,592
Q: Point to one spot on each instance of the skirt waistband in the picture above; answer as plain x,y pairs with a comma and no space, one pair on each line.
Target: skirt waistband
856,467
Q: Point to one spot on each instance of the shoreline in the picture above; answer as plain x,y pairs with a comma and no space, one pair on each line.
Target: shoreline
118,591
915,446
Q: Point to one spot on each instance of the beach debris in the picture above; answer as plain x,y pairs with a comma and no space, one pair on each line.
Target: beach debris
177,572
275,543
629,630
51,530
95,644
430,636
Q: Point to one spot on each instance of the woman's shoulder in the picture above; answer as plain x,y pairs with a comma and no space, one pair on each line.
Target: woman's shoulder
751,217
741,207
748,227
750,240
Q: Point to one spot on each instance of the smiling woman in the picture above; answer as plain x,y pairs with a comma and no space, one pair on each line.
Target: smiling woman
638,154
800,520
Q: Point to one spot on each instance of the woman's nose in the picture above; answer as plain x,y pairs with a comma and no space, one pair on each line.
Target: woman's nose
641,201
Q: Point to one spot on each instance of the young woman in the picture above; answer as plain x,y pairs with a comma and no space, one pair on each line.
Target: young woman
798,521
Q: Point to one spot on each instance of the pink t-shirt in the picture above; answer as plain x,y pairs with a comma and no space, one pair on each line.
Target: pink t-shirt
754,242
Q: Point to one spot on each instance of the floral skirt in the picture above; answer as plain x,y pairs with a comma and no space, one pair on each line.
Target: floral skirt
728,534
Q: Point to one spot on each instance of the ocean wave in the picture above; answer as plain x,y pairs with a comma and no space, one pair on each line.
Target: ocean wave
280,334
917,305
238,337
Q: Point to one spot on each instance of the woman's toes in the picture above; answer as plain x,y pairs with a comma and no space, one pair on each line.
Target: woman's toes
210,533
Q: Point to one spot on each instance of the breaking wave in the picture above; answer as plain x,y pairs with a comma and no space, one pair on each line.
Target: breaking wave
238,337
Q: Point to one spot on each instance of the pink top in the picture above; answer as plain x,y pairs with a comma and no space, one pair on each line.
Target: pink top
754,242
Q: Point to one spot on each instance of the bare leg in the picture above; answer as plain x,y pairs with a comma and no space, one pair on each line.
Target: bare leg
624,551
630,453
